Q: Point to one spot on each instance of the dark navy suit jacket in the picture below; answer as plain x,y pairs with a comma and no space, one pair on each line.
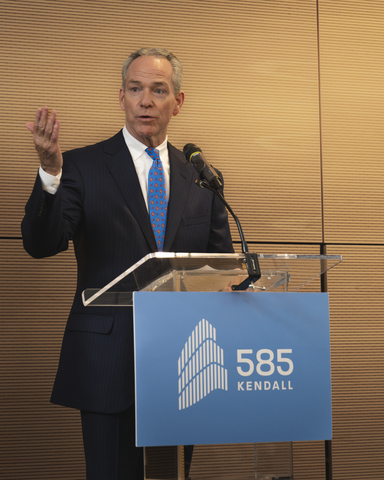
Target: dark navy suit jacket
99,205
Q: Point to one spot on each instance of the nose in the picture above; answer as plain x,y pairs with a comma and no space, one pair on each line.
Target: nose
146,99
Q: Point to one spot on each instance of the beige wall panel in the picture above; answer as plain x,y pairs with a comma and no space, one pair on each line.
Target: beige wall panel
38,440
357,343
352,95
251,95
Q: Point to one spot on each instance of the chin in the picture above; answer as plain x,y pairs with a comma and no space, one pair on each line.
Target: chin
148,133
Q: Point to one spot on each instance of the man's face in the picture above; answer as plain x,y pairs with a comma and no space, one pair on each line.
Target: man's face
148,100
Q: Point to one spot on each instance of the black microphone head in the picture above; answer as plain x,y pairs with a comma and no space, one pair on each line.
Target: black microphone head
189,149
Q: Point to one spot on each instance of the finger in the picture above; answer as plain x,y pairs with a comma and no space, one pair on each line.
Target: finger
37,120
55,132
49,125
42,121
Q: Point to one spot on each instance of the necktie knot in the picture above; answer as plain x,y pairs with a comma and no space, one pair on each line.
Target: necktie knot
153,153
157,197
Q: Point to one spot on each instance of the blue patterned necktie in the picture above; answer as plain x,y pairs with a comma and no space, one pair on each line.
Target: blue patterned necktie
157,198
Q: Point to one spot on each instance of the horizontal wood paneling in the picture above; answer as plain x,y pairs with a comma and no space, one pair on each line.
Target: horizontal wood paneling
357,342
38,440
352,95
250,77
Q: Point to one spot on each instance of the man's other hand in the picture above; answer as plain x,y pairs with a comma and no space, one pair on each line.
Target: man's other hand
45,133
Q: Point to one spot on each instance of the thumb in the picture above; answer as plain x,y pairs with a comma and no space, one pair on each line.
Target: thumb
30,126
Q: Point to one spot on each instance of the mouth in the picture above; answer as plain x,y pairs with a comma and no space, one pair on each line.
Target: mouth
145,118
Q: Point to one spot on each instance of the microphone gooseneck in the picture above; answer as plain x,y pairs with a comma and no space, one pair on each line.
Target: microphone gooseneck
211,180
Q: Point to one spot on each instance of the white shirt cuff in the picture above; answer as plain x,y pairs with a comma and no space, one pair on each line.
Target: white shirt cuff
50,183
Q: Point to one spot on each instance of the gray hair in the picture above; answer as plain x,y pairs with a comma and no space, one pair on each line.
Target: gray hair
159,53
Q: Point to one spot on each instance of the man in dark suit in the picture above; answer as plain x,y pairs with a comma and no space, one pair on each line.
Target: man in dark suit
97,197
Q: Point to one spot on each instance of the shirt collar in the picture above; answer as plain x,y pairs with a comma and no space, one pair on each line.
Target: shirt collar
136,148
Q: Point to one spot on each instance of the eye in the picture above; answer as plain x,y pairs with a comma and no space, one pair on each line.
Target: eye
159,90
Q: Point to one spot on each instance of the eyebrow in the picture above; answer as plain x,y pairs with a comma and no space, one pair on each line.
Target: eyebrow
138,82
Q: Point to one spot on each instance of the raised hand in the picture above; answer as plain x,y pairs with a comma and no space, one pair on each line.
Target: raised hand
45,132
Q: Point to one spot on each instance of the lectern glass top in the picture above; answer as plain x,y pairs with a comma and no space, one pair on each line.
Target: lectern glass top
164,271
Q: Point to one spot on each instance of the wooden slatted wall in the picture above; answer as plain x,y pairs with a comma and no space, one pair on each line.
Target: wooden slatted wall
351,39
37,440
283,96
357,341
251,83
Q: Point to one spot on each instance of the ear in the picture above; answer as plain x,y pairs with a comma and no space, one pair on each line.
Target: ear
121,99
179,102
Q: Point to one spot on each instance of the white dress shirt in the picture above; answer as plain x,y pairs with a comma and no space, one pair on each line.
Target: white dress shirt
141,160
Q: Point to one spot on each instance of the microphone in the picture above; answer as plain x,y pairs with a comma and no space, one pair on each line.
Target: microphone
210,179
195,156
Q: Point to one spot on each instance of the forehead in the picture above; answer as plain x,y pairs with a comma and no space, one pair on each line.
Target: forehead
150,69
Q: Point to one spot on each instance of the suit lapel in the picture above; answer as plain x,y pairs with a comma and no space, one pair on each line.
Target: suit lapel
181,178
120,164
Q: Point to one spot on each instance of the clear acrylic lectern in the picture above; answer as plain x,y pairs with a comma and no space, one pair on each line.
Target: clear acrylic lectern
195,272
200,272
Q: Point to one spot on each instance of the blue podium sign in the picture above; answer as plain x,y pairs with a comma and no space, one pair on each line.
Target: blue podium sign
231,367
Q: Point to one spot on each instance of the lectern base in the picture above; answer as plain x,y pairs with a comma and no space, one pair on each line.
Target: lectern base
274,461
273,478
261,461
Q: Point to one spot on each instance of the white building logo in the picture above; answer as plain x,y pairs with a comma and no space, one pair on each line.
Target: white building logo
201,366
